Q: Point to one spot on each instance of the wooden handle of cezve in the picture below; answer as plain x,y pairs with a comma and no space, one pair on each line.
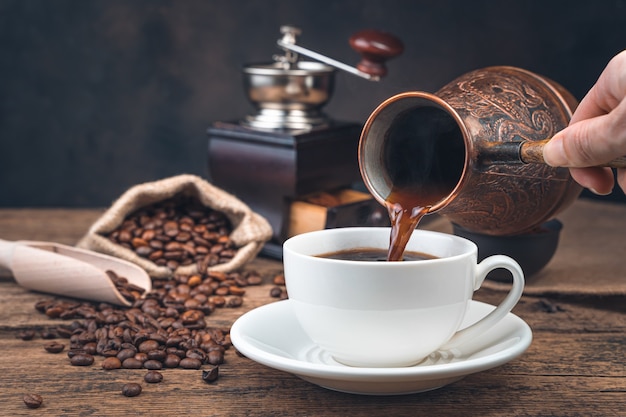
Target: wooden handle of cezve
531,152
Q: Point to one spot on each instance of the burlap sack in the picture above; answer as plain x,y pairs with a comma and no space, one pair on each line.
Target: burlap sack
250,230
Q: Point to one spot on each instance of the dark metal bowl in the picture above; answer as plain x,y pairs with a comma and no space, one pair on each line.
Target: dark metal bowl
531,250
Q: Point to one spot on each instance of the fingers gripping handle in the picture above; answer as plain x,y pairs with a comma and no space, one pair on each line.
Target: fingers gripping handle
486,266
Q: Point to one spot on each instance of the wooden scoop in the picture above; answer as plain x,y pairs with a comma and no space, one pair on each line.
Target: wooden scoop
68,271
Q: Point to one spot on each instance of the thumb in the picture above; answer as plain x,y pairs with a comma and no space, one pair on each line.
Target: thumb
554,152
587,143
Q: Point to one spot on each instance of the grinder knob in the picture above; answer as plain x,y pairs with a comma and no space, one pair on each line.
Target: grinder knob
375,48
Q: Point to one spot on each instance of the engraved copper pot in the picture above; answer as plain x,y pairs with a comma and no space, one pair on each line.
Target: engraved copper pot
462,144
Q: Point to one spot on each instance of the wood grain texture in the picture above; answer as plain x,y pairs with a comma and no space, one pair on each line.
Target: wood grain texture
532,153
574,367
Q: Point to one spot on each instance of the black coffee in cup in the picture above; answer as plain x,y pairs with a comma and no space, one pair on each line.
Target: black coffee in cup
373,254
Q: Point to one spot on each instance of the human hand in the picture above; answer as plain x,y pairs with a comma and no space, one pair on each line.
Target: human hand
596,133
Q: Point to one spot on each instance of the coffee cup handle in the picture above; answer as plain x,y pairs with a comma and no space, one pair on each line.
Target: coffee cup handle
482,269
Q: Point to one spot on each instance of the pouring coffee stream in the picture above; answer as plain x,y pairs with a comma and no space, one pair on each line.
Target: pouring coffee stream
406,209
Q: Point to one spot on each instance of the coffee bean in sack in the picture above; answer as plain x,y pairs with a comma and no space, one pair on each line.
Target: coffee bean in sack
176,232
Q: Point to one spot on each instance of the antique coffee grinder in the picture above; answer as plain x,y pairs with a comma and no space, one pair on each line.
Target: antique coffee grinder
290,162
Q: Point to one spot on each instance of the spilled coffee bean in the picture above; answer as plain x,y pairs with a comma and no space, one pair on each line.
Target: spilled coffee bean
153,365
279,279
153,377
82,359
26,334
190,363
33,400
132,389
111,363
278,290
211,375
54,347
132,363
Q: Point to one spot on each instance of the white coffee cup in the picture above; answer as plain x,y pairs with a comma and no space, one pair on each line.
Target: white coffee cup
389,314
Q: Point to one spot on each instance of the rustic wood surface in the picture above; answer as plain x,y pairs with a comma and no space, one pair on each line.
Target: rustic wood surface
575,366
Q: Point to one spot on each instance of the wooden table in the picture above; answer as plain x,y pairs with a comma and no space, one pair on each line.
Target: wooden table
575,366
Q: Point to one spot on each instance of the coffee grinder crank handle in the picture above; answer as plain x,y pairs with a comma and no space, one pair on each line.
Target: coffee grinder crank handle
375,48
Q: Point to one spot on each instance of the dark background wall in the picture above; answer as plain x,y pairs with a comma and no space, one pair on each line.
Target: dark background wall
96,96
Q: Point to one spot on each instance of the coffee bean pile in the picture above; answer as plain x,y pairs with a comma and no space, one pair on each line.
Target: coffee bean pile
177,231
165,329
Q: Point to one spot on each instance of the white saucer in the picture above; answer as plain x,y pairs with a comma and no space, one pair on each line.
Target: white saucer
271,335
